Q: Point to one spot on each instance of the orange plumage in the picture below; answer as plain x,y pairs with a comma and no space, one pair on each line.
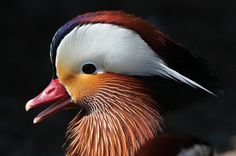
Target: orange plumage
121,103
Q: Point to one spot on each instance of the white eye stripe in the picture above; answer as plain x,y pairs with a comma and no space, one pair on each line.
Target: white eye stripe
114,49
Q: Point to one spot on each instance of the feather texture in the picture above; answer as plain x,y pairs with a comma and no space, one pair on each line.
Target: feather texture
122,116
116,50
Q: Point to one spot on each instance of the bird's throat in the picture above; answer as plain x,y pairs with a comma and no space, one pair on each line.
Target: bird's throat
113,131
122,117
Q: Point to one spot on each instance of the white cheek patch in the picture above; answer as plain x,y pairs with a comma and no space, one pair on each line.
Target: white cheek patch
114,49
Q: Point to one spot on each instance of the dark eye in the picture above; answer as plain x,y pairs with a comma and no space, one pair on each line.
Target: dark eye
89,68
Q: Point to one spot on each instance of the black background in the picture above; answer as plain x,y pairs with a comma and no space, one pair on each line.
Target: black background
27,27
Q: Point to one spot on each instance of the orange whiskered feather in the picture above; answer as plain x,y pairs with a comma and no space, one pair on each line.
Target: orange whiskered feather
122,116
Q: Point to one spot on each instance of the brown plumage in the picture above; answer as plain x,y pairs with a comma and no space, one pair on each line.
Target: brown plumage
120,112
124,117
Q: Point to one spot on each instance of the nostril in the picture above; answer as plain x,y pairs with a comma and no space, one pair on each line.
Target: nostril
51,90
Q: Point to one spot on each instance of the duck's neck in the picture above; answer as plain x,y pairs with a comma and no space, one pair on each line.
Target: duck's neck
117,130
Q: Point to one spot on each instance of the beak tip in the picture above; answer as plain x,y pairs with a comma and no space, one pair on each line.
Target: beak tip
26,109
28,105
36,120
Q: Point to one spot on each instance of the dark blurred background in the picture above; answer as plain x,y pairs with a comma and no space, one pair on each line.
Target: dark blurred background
208,28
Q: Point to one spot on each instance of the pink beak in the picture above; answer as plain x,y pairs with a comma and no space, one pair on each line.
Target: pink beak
54,93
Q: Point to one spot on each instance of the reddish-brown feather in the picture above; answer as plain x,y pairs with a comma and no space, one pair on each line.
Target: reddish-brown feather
147,31
174,54
121,117
123,114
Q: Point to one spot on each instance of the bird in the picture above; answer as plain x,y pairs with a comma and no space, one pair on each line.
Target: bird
122,74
